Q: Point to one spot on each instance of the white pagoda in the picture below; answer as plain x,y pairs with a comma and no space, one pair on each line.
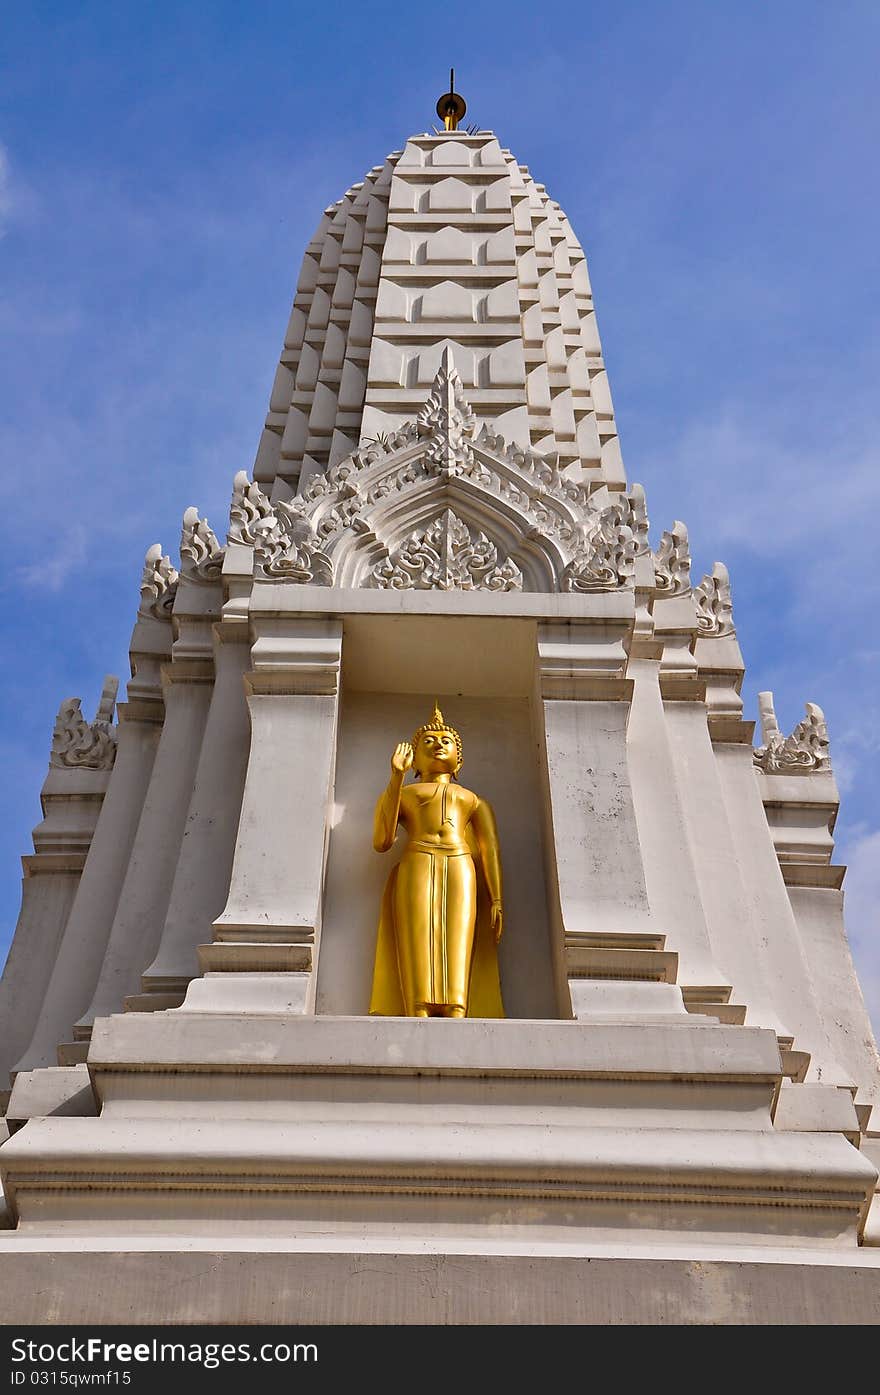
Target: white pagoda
672,1122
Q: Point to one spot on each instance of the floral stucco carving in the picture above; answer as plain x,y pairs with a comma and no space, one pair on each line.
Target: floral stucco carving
672,562
714,604
804,752
158,584
78,744
286,548
248,508
446,556
558,532
201,554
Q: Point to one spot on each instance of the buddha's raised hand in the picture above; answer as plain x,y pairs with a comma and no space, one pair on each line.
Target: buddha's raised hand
402,759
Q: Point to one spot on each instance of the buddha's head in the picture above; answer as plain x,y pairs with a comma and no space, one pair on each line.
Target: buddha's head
437,748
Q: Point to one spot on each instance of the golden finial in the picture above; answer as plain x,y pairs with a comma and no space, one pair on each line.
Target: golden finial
451,108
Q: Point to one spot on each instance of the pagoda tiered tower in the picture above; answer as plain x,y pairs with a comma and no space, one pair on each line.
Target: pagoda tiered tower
673,1120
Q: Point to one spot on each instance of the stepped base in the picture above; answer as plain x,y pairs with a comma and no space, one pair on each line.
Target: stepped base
162,1281
395,1131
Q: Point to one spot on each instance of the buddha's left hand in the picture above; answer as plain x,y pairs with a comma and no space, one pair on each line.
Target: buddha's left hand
497,920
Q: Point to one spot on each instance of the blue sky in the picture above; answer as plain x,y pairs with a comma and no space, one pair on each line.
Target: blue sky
162,167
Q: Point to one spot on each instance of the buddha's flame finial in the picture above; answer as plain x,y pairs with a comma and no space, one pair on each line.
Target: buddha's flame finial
451,107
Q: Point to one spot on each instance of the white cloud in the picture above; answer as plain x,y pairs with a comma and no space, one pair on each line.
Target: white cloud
778,492
855,747
16,199
7,198
55,563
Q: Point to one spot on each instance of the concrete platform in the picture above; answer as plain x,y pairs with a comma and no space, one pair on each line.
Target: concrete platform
62,1280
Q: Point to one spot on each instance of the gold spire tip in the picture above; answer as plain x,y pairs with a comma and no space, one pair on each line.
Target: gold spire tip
451,107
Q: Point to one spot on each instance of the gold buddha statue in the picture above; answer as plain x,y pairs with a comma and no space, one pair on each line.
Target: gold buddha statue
441,917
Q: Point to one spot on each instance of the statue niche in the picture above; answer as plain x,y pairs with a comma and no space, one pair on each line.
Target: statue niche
441,914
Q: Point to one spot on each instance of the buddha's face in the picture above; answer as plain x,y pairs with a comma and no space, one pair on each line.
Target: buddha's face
436,754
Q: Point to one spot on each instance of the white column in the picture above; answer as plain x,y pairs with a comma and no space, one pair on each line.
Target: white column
46,899
267,938
80,765
81,952
818,911
721,877
801,807
143,901
202,877
670,874
595,871
773,944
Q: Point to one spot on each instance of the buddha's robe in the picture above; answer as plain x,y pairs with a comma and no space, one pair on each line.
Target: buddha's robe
435,948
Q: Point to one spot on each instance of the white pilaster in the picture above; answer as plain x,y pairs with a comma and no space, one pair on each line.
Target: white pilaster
71,800
202,876
595,873
266,940
143,900
81,952
80,764
669,863
772,942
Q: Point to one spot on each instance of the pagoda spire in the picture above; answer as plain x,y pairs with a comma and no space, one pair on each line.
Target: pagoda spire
451,107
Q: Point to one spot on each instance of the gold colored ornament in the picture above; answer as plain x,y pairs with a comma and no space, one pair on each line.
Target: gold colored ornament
451,107
442,914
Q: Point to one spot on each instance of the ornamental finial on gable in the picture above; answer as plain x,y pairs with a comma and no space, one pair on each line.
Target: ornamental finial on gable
158,584
201,556
447,416
805,752
714,604
248,509
672,562
78,744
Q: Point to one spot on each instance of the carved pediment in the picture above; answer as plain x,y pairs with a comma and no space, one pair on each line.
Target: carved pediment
286,548
363,521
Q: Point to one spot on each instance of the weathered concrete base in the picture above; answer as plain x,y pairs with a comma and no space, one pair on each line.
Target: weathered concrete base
56,1281
52,1091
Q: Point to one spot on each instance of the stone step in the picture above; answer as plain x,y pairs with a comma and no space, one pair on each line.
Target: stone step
645,965
622,939
73,1053
582,1177
863,1112
706,993
51,1091
871,1234
870,1147
815,1108
247,957
731,1014
795,1064
152,1002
